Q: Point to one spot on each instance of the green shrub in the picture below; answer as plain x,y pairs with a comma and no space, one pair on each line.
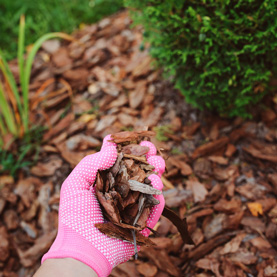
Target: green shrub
221,54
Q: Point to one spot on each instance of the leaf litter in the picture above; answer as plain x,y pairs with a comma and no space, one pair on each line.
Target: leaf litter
221,174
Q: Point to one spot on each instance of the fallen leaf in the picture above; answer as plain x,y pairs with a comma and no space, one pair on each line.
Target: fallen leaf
244,256
161,259
261,243
218,159
259,154
147,269
209,264
215,226
231,149
199,190
4,244
233,245
209,147
232,206
254,223
42,244
48,168
82,142
255,208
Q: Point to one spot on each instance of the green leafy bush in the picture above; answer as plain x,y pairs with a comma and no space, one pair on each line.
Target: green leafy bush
220,53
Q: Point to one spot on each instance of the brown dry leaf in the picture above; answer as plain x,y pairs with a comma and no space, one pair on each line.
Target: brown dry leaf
143,67
251,191
183,166
215,226
6,180
61,59
147,269
255,208
209,264
261,243
162,242
176,197
214,132
136,96
130,136
204,248
11,219
48,168
61,126
233,221
254,223
199,190
126,269
209,147
42,244
120,101
127,120
161,259
232,206
70,156
243,256
218,159
202,168
4,244
259,154
230,269
267,203
82,142
197,236
231,149
233,245
105,122
26,189
51,46
152,119
268,115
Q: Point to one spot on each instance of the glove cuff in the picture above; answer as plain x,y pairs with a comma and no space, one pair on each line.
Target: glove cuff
70,244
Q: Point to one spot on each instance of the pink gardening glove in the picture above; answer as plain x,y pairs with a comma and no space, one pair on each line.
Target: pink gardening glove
79,210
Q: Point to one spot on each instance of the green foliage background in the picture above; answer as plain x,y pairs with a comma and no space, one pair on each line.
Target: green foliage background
46,16
221,53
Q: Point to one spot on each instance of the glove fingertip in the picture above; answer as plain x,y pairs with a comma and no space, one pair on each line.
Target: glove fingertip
107,142
152,149
107,158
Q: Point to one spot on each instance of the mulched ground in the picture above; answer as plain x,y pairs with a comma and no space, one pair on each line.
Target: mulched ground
221,174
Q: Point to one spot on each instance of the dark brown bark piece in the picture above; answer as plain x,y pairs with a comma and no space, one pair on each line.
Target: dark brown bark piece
179,223
128,136
108,203
135,149
114,231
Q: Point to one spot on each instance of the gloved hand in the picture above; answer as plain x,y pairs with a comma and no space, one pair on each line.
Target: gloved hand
79,210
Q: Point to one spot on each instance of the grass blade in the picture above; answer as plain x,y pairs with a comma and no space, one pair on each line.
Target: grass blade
20,51
3,129
28,66
7,113
4,67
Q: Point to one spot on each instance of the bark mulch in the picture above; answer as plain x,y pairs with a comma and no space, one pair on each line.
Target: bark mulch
221,174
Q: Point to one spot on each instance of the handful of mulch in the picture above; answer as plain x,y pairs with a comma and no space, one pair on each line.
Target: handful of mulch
126,195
